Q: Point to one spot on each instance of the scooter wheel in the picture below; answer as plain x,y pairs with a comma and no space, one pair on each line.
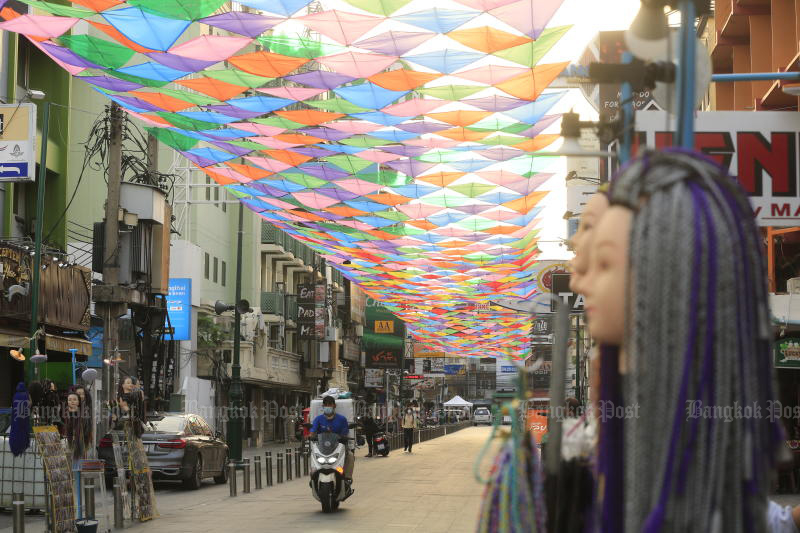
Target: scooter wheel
327,497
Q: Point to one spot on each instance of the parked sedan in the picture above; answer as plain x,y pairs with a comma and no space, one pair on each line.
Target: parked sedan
179,447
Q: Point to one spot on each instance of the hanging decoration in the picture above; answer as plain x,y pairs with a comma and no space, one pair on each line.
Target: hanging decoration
397,139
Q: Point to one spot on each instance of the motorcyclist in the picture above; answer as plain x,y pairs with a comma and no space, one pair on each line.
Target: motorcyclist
330,421
370,429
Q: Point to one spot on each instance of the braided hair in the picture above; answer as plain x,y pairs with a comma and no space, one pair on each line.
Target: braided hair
699,455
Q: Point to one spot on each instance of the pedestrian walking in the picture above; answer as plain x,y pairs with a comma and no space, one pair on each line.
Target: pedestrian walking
409,424
370,428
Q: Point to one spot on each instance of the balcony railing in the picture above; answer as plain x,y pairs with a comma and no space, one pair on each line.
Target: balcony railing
272,235
272,303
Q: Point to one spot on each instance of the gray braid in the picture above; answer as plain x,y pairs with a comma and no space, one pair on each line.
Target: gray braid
697,277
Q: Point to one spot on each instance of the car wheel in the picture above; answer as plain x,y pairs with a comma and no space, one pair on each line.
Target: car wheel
194,481
223,477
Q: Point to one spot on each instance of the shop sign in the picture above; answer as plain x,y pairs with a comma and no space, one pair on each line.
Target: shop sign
373,377
787,353
542,330
455,370
351,351
384,326
760,149
306,311
537,423
179,309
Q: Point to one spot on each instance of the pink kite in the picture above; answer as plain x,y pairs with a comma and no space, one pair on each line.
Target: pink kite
211,47
342,27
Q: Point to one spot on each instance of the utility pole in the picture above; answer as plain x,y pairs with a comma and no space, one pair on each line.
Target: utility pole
110,303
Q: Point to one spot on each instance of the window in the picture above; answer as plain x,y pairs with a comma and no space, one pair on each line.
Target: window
208,188
207,264
216,269
224,205
216,195
224,269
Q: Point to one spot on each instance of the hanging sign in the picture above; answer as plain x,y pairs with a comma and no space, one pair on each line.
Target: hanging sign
306,311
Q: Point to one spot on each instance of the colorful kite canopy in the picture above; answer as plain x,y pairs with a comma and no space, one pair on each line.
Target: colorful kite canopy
395,136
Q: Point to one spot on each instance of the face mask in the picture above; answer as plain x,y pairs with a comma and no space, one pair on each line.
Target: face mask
327,410
408,412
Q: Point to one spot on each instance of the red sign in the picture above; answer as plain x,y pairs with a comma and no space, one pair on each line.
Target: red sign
537,423
414,377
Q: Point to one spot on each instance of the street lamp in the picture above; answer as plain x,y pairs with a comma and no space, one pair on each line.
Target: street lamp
37,250
236,393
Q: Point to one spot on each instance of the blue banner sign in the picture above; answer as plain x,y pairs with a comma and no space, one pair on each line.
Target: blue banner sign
179,309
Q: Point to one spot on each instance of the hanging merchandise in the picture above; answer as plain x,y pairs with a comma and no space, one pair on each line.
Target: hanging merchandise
676,453
19,438
143,498
58,473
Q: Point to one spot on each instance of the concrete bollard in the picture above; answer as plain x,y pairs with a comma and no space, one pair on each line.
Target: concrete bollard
280,467
257,467
18,501
88,499
298,454
119,519
246,484
268,466
288,464
232,479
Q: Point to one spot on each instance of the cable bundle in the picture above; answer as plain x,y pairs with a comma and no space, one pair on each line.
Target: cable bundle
697,457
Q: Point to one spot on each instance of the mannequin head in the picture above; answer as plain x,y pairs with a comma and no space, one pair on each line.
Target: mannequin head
73,402
81,392
595,207
677,280
604,284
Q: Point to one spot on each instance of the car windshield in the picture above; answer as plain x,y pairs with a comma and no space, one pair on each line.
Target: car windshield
482,412
166,424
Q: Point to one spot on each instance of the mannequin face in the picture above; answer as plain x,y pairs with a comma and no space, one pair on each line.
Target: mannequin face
81,394
127,385
73,402
606,279
581,241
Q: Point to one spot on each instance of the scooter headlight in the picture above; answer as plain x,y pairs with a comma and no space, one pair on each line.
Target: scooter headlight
321,460
332,460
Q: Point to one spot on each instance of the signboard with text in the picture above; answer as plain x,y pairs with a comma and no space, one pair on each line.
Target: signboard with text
179,309
306,311
17,142
787,353
373,377
759,149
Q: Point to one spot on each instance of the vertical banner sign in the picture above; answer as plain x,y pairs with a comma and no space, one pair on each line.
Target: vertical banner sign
179,309
306,311
320,310
787,353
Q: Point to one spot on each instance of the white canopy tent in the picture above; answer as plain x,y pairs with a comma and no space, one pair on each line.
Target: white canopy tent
457,401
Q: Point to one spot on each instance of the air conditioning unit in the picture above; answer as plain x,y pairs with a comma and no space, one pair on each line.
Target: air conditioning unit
359,330
331,334
793,285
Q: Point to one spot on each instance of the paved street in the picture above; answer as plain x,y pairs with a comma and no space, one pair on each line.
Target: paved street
431,490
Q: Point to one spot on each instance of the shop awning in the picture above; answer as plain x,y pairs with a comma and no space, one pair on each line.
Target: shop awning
65,344
13,338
